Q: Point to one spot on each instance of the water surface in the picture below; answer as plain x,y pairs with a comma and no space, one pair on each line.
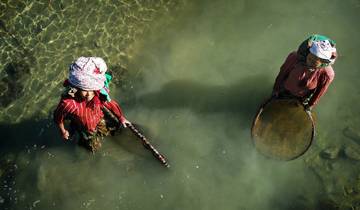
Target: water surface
192,79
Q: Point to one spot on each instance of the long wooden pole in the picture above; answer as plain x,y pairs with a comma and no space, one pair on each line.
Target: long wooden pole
147,145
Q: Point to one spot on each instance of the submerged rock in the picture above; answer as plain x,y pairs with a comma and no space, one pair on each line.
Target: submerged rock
352,134
348,190
352,152
331,152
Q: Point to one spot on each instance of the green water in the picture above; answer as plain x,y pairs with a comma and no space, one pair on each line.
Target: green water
192,75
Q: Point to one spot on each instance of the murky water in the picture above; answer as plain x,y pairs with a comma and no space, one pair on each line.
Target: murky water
192,76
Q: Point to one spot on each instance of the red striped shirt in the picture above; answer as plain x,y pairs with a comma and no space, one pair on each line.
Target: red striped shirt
86,114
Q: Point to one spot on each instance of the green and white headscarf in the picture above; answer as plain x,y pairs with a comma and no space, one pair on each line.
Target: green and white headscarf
322,47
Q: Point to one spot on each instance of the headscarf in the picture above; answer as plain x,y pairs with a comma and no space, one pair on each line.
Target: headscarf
88,73
324,50
304,48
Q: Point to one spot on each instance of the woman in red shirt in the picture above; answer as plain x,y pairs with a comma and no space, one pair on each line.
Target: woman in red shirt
307,73
85,101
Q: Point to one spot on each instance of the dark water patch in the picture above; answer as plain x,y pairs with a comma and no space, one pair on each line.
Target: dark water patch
20,143
13,82
242,98
3,26
328,205
41,171
17,62
287,203
19,136
129,142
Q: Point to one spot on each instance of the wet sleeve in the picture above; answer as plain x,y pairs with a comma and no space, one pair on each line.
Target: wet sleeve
284,71
323,84
62,110
114,107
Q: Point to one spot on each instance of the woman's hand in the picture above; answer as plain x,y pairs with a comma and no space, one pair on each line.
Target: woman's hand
124,122
65,134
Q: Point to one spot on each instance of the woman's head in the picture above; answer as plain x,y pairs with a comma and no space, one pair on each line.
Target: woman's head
88,73
321,53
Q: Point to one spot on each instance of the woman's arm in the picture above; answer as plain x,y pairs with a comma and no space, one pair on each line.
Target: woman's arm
284,72
323,84
64,133
114,107
62,110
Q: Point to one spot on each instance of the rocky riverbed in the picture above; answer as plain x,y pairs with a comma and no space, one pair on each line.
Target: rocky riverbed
39,39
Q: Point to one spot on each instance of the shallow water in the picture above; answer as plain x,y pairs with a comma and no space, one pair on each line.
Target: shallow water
192,80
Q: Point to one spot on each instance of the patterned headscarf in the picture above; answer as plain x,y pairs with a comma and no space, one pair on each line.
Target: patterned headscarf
324,50
316,41
88,73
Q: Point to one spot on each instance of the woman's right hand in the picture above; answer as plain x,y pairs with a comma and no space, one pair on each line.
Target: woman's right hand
65,134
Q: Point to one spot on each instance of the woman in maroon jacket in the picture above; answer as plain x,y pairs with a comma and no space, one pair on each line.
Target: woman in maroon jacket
307,73
86,103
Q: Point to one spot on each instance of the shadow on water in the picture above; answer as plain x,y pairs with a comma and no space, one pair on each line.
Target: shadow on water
20,145
40,134
125,140
17,137
242,98
32,154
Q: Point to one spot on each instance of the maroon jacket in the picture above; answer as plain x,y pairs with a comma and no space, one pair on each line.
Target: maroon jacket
297,79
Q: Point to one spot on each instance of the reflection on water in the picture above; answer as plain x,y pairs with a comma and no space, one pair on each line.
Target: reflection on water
192,75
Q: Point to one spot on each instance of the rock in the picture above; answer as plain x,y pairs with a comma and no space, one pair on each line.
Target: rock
352,152
348,190
352,134
331,152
